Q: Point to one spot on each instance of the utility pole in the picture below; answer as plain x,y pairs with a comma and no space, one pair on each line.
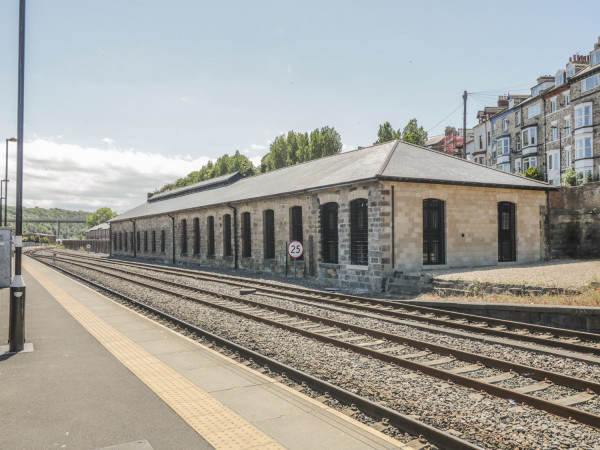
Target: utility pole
464,148
17,287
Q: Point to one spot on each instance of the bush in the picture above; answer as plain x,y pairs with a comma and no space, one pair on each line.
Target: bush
534,173
569,178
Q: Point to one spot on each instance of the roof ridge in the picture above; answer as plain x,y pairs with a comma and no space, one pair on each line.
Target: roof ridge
387,158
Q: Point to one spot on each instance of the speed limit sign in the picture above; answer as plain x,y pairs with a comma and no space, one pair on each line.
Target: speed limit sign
295,249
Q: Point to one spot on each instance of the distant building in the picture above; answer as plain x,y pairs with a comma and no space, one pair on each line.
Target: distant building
101,231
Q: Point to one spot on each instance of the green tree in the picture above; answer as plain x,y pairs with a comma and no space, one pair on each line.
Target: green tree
570,177
386,133
534,173
414,134
100,216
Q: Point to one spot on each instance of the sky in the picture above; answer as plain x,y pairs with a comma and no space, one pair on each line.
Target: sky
124,96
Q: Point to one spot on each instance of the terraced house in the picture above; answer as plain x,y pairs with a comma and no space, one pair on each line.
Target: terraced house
554,129
361,216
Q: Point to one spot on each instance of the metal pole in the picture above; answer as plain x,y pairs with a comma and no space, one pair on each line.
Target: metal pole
17,287
464,148
12,139
1,197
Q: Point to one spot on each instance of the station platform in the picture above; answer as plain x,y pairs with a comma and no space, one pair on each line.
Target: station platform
103,377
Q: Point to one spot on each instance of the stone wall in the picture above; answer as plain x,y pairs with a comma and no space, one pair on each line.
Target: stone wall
575,222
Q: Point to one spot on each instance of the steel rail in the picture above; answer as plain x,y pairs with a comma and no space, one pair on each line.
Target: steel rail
395,418
548,406
442,322
323,296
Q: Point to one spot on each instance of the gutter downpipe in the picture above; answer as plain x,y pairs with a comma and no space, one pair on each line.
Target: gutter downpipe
173,220
235,239
393,233
110,244
133,241
548,225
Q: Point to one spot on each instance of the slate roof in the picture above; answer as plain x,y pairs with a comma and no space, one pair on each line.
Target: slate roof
102,226
196,187
394,160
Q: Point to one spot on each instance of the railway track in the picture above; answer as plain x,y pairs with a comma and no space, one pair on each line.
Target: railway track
570,340
423,432
418,356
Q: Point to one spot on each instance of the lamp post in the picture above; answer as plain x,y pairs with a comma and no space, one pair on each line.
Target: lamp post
17,287
12,139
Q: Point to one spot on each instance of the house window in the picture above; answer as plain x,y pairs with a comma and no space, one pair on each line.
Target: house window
553,105
568,156
504,167
296,225
518,165
590,83
583,147
227,235
121,241
162,241
559,79
595,58
196,236
518,141
329,233
145,241
534,110
433,232
518,117
493,128
184,237
138,241
153,241
583,115
567,127
529,162
529,136
359,232
554,133
504,124
502,147
489,139
567,99
269,233
246,236
125,240
553,161
210,229
480,142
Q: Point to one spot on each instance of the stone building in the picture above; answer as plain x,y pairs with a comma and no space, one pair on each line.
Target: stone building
361,216
101,231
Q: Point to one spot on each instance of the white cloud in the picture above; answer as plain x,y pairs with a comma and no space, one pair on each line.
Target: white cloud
58,175
185,99
109,141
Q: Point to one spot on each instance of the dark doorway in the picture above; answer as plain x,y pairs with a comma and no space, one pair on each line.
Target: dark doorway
506,232
433,232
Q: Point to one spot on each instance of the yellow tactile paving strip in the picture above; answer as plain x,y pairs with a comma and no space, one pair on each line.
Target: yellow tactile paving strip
216,423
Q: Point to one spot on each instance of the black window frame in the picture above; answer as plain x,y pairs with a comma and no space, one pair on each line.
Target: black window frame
434,232
296,231
330,233
184,237
210,231
269,233
246,235
196,236
227,250
359,232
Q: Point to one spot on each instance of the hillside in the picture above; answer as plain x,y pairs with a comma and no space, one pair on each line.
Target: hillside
67,230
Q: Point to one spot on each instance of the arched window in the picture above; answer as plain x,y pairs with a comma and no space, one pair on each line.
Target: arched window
269,233
296,225
359,232
196,236
329,233
433,232
246,236
210,225
227,235
184,237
